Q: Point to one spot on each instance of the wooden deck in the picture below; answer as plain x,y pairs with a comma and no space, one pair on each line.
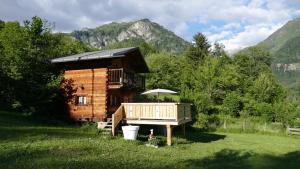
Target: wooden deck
168,114
157,113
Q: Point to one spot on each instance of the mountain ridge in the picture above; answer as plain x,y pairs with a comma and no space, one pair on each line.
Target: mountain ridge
280,37
104,36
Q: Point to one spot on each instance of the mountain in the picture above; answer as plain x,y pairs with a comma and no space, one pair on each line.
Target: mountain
285,42
284,45
136,32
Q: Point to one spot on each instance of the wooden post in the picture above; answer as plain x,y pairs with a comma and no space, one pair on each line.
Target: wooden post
183,129
169,135
113,130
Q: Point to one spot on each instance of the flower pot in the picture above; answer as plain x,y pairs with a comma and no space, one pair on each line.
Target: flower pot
130,132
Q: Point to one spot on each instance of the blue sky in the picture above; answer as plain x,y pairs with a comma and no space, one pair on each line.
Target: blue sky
235,23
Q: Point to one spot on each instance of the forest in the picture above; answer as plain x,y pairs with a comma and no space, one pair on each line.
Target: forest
222,88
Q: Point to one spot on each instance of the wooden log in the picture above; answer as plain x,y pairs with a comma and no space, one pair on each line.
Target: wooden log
169,135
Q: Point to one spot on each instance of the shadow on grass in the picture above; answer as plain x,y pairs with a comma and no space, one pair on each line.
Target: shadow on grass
40,133
224,159
194,135
90,158
75,158
234,159
17,126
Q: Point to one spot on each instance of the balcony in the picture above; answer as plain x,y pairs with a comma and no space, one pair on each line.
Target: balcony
118,78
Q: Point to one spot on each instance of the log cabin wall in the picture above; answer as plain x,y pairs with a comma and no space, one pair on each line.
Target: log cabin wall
89,101
116,96
97,82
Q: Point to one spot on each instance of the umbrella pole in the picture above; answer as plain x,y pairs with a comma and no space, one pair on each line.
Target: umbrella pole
157,97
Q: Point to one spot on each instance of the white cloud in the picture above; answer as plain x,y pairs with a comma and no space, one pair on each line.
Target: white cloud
175,15
217,37
250,36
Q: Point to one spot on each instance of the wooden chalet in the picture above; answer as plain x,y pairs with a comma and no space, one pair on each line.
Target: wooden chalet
102,85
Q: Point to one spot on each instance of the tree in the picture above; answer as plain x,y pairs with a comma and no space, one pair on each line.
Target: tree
218,50
253,61
197,52
266,89
28,80
231,107
164,71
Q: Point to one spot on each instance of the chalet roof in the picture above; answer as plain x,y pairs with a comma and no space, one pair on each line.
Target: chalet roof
132,55
103,54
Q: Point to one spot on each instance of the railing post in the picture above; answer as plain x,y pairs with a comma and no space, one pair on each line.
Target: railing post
122,72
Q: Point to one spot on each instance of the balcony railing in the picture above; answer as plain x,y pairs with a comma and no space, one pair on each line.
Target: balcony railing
125,78
157,113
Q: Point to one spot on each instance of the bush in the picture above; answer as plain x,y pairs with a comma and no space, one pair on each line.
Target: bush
207,122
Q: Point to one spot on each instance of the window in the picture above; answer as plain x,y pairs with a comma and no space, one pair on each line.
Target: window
81,100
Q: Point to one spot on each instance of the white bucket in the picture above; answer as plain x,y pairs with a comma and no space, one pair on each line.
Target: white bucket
130,132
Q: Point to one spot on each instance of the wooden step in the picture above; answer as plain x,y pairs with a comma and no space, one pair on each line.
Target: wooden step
106,129
102,125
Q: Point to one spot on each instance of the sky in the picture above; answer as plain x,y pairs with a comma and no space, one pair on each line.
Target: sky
234,23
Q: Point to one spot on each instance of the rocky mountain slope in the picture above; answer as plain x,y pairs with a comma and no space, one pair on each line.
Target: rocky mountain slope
135,32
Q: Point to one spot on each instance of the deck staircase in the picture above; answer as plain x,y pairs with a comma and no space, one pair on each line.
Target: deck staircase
111,124
105,126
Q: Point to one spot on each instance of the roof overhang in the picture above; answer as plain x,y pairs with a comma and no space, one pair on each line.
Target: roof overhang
104,55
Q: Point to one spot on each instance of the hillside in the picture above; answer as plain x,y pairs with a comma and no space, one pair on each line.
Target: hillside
284,45
134,33
279,38
285,42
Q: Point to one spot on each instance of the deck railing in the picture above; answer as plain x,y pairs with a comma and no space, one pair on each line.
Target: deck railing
117,118
125,78
157,111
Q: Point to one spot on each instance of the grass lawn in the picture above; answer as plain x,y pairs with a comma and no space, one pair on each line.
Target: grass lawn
28,143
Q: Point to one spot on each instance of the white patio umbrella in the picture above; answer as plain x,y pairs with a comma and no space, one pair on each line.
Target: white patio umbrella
159,91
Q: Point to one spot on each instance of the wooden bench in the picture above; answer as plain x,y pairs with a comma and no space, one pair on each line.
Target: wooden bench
293,131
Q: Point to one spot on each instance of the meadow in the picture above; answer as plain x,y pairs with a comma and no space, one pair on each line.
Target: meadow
31,142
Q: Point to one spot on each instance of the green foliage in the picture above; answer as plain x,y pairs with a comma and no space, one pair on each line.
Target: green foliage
266,89
219,50
28,79
164,71
232,104
144,47
259,54
68,45
241,87
289,52
197,52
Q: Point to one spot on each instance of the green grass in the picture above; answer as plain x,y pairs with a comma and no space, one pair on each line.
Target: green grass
26,142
